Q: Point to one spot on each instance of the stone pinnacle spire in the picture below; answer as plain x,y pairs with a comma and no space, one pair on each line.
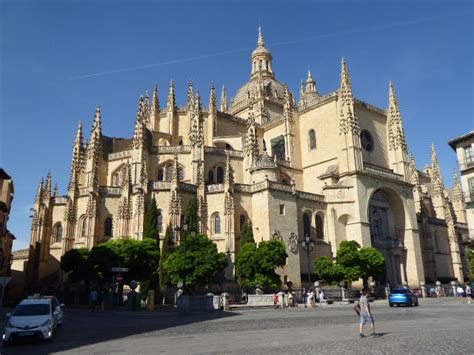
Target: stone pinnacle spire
56,190
310,83
223,99
97,124
348,121
39,193
47,189
155,102
396,134
212,100
457,190
171,102
139,131
436,177
190,98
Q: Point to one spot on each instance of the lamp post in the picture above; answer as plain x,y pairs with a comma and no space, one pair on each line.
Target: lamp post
308,244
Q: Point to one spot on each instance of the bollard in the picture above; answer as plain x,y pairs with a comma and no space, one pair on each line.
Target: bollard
423,289
453,286
225,301
281,299
151,300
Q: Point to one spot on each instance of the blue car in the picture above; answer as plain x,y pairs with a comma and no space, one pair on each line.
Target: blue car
403,296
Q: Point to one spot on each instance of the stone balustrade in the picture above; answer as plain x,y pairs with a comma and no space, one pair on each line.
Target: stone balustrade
60,200
110,190
260,300
161,185
213,188
220,151
383,172
120,155
168,149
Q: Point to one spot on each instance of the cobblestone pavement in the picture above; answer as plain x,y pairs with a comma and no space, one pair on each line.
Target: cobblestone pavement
443,326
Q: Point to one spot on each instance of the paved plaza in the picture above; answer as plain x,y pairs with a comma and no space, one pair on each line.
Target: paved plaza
442,326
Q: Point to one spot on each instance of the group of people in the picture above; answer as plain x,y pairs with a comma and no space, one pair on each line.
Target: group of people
461,293
309,298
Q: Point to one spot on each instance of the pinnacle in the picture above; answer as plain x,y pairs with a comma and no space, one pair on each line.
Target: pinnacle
260,40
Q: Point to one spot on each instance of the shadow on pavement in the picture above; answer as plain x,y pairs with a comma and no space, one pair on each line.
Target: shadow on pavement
82,327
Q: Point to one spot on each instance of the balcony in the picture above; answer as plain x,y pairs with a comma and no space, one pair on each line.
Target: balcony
466,164
469,196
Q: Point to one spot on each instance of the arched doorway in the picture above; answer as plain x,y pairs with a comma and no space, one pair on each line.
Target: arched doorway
387,225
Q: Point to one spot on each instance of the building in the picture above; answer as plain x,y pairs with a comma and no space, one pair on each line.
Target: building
464,148
6,237
329,166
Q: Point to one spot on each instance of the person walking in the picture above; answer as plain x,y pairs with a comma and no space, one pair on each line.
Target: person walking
365,314
460,293
468,294
93,297
305,297
276,301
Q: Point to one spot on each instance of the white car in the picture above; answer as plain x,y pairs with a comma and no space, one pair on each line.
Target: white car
33,317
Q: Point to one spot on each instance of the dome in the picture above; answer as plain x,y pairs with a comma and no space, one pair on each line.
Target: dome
273,88
261,50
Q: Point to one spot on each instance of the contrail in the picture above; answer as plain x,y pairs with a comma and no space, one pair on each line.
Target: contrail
275,44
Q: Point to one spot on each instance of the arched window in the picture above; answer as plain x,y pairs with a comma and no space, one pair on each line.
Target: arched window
312,139
210,176
217,224
180,142
242,221
83,227
108,227
119,175
220,175
58,233
306,225
160,175
166,172
319,227
160,221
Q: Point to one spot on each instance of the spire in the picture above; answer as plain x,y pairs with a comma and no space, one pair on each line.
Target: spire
310,83
197,104
47,189
260,41
212,100
97,124
139,131
171,103
40,191
348,120
175,170
224,99
190,100
56,191
155,102
288,106
228,178
396,134
436,177
77,158
457,190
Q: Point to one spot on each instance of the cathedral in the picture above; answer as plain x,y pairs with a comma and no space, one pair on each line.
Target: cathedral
326,166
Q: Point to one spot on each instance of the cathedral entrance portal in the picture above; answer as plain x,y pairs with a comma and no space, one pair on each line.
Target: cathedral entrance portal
387,222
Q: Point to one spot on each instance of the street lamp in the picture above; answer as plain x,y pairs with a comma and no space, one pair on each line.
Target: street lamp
308,244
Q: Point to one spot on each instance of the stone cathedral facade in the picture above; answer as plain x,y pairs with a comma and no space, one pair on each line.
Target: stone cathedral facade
326,165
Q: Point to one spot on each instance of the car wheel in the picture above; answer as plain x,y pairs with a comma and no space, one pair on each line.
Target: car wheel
390,304
416,303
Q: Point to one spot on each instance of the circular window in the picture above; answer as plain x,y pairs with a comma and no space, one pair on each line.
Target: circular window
366,140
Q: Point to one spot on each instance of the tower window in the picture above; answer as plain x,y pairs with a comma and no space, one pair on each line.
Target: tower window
217,224
108,227
160,221
220,175
312,139
282,209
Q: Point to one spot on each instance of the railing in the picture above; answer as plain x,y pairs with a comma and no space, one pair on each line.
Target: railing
243,188
119,155
214,188
377,170
60,200
168,149
161,185
310,196
285,163
220,151
110,190
187,187
280,187
466,164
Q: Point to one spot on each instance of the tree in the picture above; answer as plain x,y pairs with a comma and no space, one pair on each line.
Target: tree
470,258
75,261
191,217
246,234
195,261
327,270
150,226
352,263
167,248
256,265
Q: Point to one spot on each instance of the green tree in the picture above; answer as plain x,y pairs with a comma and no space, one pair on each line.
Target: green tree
372,264
327,270
246,234
150,226
75,261
196,261
191,217
167,248
256,265
348,257
470,258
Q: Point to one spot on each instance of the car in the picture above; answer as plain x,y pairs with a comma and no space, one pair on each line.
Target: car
36,317
402,296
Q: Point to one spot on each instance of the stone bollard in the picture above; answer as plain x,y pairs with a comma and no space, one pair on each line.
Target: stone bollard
453,286
225,301
423,289
343,293
281,299
151,300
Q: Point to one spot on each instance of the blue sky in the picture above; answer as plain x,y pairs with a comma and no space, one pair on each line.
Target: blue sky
49,49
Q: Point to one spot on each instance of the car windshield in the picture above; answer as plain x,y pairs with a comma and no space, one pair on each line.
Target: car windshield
401,291
40,309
